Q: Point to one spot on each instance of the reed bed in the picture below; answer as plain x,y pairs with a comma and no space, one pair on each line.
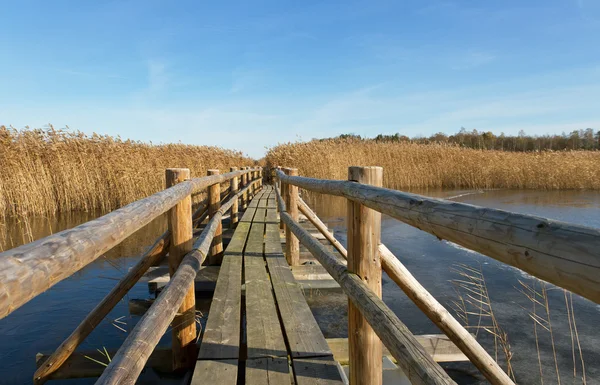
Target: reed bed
50,171
418,166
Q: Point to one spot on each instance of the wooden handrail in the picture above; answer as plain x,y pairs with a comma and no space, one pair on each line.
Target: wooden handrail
29,270
152,256
564,254
427,303
417,364
127,364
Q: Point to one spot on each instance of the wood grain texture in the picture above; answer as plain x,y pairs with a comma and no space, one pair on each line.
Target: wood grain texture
268,371
31,269
431,307
563,254
302,332
55,361
129,361
215,255
215,372
364,234
263,330
233,189
180,227
317,371
292,246
412,358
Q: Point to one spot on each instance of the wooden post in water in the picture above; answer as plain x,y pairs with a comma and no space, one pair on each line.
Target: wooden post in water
233,189
215,255
364,233
181,228
292,245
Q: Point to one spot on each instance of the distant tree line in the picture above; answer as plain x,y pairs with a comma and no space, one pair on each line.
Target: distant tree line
585,139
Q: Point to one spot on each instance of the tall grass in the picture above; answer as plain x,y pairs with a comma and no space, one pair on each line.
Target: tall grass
49,171
410,165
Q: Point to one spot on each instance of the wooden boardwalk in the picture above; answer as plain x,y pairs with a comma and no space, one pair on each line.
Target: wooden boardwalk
267,333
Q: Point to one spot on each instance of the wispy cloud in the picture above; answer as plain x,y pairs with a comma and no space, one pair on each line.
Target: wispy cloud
471,60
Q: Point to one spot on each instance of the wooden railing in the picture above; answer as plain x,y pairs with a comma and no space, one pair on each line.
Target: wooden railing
564,254
29,270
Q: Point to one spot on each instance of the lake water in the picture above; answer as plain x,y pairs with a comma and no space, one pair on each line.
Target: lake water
43,323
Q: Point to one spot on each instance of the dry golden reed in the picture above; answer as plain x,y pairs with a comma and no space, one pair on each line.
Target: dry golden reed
49,171
417,166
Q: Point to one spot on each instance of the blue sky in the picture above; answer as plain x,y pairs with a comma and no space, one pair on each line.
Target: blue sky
251,74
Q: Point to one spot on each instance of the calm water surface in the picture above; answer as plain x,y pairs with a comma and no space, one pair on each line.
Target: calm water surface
43,323
433,263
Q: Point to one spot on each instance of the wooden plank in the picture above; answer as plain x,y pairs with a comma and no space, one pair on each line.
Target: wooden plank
272,216
268,370
263,330
260,215
304,337
215,372
317,371
248,214
440,347
222,333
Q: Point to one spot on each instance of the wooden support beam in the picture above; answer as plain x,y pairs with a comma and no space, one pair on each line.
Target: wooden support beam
53,363
564,254
28,270
233,189
214,204
181,230
129,361
364,233
428,304
316,221
414,361
292,245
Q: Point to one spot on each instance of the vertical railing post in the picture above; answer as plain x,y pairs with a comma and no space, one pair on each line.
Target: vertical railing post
233,189
245,194
180,226
283,195
364,233
215,255
292,245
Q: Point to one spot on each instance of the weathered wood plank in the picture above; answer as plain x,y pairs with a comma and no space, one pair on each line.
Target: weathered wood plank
215,372
268,370
317,371
248,214
263,330
222,333
304,337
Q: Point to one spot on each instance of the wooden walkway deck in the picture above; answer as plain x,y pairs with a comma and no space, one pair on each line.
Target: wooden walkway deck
267,333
